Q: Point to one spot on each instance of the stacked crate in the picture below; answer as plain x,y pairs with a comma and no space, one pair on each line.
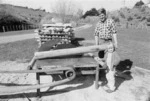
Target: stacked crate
55,31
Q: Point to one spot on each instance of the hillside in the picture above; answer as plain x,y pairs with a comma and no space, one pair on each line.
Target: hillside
17,15
10,14
134,16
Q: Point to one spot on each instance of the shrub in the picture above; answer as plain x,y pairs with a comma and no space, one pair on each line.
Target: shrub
139,4
116,19
122,15
148,19
138,17
143,18
92,12
130,18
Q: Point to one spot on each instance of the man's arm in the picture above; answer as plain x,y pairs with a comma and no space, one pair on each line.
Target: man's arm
115,40
96,35
96,40
114,32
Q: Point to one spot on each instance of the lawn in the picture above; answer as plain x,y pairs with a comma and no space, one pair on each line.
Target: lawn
19,50
134,45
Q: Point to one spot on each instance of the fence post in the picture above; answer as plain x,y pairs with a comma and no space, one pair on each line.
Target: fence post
7,29
3,28
13,29
25,27
22,27
17,27
32,26
10,28
28,27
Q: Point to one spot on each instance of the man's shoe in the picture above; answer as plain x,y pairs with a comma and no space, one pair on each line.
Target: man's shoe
107,89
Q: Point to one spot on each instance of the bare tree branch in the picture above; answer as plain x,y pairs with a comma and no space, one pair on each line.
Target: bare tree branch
65,8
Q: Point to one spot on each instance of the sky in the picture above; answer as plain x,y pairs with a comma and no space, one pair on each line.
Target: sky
83,4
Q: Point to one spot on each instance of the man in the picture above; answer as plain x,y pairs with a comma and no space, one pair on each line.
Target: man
105,32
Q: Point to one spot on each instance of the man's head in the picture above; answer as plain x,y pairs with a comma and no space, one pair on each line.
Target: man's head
102,14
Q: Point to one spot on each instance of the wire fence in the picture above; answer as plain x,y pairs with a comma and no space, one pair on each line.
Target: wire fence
8,28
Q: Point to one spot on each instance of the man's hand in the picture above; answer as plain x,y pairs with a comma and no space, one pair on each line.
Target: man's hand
91,54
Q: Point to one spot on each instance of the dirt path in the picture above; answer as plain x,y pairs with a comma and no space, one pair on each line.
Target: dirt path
137,88
13,38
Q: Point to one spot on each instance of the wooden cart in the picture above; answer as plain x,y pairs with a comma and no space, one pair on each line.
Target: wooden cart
62,61
82,65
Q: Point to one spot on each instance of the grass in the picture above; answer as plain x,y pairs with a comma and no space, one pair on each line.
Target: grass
133,45
20,50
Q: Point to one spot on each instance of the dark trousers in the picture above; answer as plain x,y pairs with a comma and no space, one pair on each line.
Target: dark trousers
101,53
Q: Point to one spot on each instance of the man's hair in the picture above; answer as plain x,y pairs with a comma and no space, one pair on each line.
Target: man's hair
102,11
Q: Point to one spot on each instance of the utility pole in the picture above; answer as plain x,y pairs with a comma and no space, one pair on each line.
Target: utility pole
124,3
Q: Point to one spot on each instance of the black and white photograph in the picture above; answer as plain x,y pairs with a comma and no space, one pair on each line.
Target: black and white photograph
74,50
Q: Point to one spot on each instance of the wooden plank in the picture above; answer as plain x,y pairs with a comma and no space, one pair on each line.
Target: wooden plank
52,71
70,51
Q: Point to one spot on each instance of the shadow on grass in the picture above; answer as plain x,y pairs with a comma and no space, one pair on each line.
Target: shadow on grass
51,43
79,39
123,72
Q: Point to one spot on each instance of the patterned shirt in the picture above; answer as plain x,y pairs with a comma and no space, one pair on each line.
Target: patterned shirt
105,30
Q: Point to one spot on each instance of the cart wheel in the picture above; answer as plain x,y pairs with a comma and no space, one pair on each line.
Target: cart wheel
68,73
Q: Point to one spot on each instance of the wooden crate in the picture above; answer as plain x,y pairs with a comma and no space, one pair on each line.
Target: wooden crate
55,31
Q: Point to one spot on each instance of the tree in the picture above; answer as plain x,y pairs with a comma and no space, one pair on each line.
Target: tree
92,12
65,8
148,19
139,4
116,19
122,15
80,13
129,18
